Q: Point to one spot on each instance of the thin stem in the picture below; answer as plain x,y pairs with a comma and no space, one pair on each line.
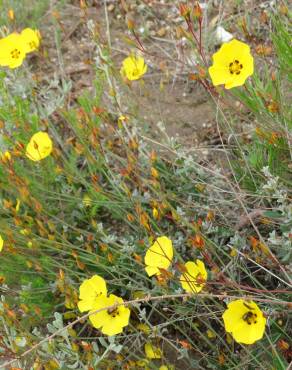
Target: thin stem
141,300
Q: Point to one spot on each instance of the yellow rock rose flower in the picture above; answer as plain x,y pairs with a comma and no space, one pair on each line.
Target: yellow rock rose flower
111,321
12,51
133,68
193,280
30,39
232,64
244,321
159,256
39,146
89,290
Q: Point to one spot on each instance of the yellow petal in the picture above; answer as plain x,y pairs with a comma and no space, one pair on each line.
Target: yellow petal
234,313
1,243
111,328
152,270
219,75
100,318
248,334
39,147
195,273
159,255
30,39
17,207
89,290
85,305
133,68
152,352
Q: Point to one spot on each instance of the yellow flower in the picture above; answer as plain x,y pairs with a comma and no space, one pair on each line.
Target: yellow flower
193,280
89,290
30,39
244,321
1,243
39,146
111,321
232,64
163,367
159,256
133,68
152,351
12,51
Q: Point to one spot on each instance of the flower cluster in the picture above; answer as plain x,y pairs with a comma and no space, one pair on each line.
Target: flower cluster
14,47
232,65
93,297
242,319
159,257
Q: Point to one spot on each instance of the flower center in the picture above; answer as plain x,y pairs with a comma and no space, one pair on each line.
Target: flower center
250,317
15,54
113,312
235,67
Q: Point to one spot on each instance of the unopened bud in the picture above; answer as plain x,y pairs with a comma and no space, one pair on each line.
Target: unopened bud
283,9
130,22
185,11
197,11
83,4
11,14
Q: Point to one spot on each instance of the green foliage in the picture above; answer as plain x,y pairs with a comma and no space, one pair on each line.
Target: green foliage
33,290
265,97
27,13
98,202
